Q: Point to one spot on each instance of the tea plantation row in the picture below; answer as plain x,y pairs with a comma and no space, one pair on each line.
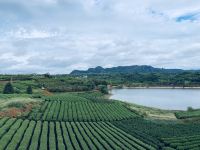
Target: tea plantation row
36,135
159,134
184,142
74,108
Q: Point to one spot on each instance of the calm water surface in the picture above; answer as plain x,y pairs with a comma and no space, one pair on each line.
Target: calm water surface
173,99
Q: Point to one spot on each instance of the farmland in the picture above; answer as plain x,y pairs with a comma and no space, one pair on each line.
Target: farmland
184,142
160,133
99,75
188,114
81,111
25,134
88,120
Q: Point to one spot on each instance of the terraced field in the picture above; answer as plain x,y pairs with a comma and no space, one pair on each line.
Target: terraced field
25,134
74,108
81,111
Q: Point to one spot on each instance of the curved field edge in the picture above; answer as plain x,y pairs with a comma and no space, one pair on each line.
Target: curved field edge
68,107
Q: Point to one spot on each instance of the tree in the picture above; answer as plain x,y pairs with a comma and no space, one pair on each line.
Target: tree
47,75
103,89
29,90
8,89
190,109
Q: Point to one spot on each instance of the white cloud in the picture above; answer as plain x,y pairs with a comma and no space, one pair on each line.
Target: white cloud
58,36
31,33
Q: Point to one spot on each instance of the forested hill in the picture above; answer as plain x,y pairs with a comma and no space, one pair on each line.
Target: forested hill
126,69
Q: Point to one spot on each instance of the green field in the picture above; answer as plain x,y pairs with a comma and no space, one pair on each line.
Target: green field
87,120
188,114
183,142
81,111
154,131
25,134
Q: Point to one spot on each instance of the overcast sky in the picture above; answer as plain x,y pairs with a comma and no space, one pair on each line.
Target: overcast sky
58,36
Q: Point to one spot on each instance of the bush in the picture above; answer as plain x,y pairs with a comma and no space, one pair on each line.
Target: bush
36,96
103,89
17,91
8,89
16,105
29,90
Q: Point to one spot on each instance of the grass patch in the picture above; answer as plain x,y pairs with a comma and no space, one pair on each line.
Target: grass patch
19,105
149,112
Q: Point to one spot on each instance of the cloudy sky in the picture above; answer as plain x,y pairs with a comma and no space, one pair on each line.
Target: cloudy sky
57,36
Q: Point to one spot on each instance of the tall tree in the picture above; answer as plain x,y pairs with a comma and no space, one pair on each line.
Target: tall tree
8,89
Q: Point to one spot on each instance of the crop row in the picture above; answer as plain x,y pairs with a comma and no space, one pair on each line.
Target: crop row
182,143
66,97
152,132
81,111
93,96
36,135
188,114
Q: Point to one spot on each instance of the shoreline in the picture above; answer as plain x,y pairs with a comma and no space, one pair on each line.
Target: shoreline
155,87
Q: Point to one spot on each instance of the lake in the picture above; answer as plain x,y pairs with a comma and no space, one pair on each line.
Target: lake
171,99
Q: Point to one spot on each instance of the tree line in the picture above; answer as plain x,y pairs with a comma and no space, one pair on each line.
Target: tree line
8,89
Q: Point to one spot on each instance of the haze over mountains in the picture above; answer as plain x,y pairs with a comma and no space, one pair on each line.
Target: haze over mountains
129,69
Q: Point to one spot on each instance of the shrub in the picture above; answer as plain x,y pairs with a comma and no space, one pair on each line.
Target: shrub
36,96
29,90
103,89
8,89
16,104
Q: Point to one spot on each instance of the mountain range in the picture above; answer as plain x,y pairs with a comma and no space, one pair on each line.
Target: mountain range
128,69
